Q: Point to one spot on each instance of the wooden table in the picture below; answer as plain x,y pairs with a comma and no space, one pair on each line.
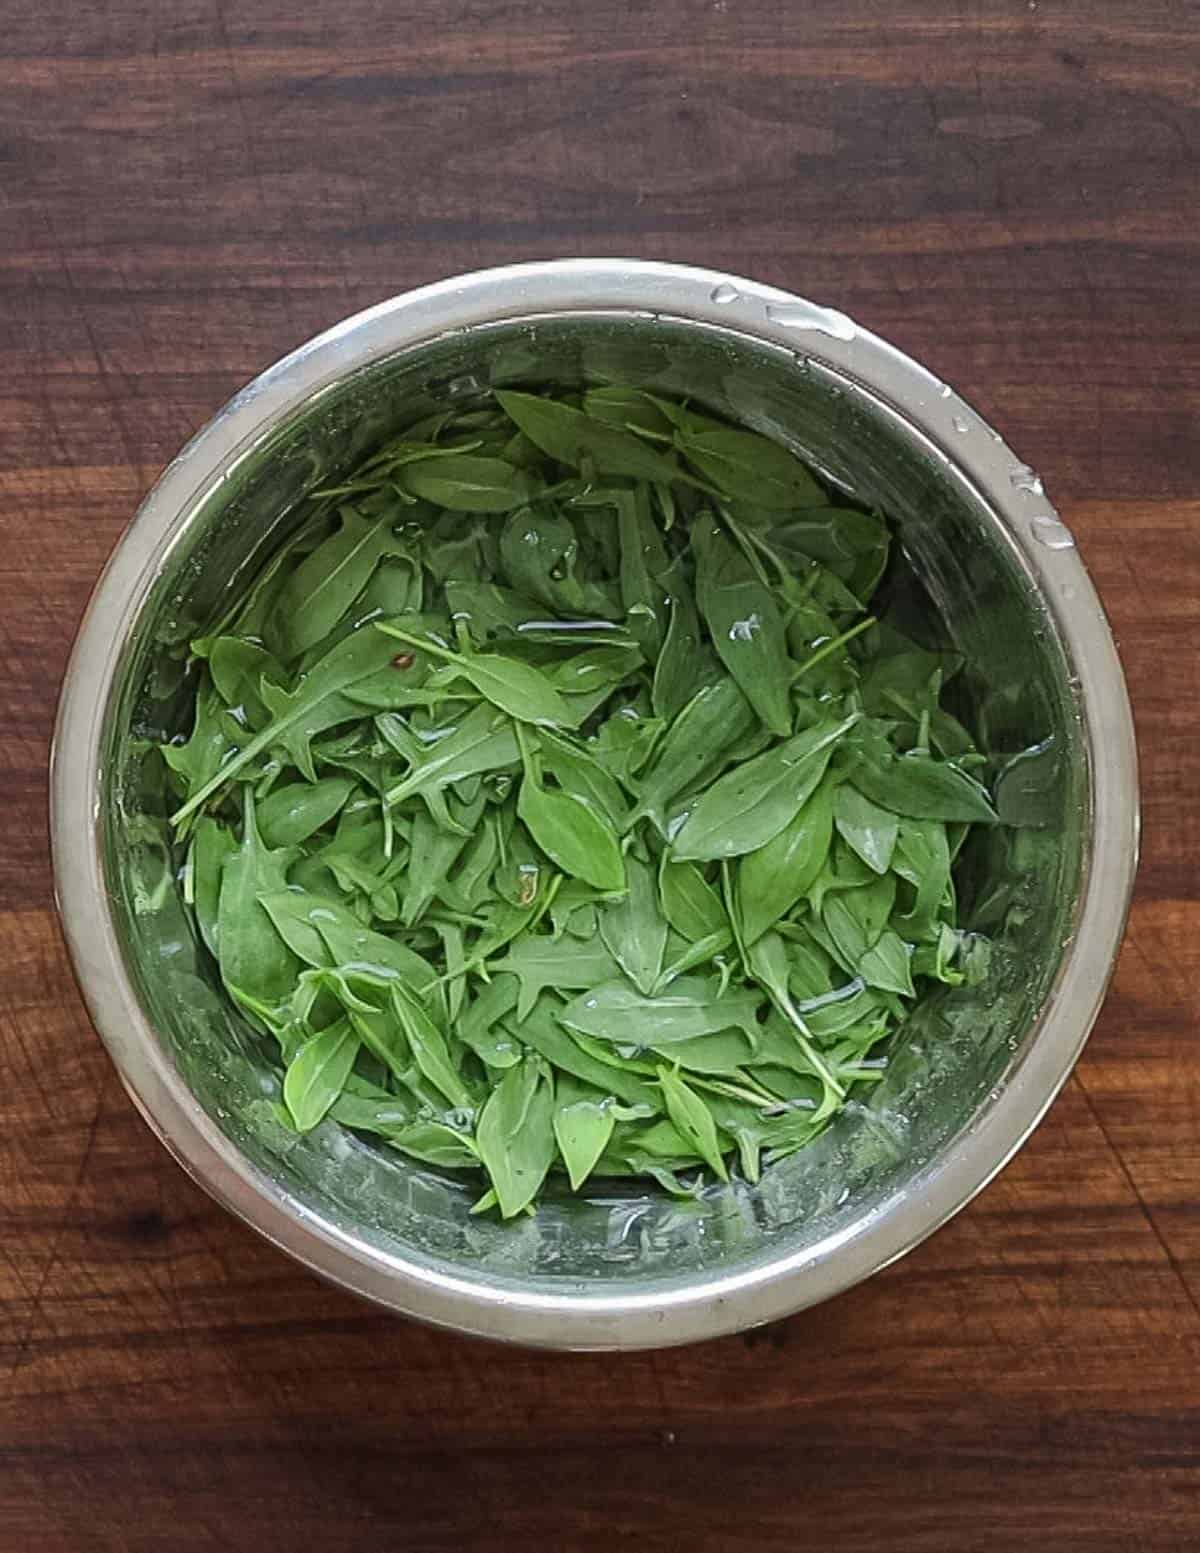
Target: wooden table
1005,188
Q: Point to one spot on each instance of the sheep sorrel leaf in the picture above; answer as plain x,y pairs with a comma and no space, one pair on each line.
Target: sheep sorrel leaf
556,807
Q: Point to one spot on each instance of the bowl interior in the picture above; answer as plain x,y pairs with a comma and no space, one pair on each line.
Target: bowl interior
1021,881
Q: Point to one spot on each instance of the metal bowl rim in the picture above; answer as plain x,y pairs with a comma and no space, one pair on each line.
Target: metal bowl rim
700,1306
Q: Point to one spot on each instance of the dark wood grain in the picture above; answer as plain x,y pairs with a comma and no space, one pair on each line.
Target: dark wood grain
1007,190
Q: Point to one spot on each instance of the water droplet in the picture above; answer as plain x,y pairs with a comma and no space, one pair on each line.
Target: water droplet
1024,479
960,425
1052,533
723,294
807,315
745,630
945,390
458,387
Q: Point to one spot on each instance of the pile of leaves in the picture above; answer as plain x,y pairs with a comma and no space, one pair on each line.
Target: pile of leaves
554,802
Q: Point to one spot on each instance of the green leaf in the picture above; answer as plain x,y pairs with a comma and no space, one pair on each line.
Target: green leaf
435,1144
683,665
200,760
238,668
515,1134
724,1054
642,560
318,1072
316,703
624,743
693,1120
253,956
429,1047
717,718
540,557
468,483
211,845
543,1032
326,583
539,962
598,669
767,962
634,930
383,1114
490,613
583,1125
309,922
629,409
683,957
689,902
571,833
886,965
479,1026
771,879
854,919
577,770
433,852
517,688
922,859
570,437
485,740
867,829
470,884
294,813
921,788
751,804
747,465
690,1007
746,626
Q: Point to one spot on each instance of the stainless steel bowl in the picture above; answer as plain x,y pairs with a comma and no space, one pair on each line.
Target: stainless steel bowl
976,1067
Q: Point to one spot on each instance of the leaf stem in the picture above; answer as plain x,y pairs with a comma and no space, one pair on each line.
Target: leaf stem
832,646
422,644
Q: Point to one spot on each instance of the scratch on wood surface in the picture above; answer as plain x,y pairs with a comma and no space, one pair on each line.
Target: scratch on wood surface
1143,1207
25,1341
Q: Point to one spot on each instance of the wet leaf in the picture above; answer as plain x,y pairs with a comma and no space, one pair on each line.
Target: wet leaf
583,1124
693,1120
617,1012
627,839
322,588
571,437
468,483
634,929
922,788
746,626
317,1073
295,813
252,954
517,688
540,962
745,464
515,1134
771,879
751,804
866,828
